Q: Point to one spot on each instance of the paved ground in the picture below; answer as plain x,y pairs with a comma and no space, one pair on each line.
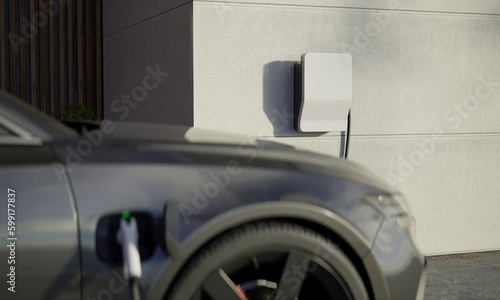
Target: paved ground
464,276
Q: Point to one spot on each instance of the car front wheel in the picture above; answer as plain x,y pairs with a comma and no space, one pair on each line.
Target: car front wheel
269,260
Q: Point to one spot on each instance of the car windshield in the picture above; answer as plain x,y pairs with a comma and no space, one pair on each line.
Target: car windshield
38,123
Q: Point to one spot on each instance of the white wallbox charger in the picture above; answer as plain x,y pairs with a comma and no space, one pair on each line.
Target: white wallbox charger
323,92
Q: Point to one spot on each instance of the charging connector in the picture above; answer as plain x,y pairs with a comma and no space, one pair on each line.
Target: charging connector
128,237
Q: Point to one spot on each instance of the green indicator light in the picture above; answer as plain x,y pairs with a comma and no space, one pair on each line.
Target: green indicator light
125,214
324,126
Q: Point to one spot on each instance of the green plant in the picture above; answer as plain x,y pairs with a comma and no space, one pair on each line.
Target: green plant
78,112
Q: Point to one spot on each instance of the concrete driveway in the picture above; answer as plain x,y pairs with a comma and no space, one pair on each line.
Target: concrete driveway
464,276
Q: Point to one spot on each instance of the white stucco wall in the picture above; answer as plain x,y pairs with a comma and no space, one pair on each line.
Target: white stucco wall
426,96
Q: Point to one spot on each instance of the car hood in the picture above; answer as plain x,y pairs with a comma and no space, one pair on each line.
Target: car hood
116,131
213,147
172,133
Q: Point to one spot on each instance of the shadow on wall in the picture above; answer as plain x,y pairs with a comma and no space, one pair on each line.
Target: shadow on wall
278,100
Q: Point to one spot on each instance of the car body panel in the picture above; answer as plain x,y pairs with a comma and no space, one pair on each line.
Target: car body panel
288,210
195,184
23,118
399,259
200,193
47,258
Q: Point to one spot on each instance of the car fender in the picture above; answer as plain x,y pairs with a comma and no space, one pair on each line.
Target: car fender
179,254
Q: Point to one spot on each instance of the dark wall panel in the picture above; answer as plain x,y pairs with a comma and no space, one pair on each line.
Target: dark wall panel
136,93
121,14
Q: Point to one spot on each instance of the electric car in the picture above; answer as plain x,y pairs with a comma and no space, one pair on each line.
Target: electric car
111,210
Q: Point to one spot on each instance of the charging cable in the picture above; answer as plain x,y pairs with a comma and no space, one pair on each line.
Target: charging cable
128,238
347,135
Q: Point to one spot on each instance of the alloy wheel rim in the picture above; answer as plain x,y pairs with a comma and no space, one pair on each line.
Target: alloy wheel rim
275,276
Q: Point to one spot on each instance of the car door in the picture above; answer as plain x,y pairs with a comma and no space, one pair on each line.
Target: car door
39,245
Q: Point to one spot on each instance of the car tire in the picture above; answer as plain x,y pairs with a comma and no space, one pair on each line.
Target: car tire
269,260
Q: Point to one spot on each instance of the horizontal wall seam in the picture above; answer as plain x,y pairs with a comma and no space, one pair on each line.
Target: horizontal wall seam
149,19
374,8
385,136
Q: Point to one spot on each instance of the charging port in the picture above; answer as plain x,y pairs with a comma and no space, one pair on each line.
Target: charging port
107,248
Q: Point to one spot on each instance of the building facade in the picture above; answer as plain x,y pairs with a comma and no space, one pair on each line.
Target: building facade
426,89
